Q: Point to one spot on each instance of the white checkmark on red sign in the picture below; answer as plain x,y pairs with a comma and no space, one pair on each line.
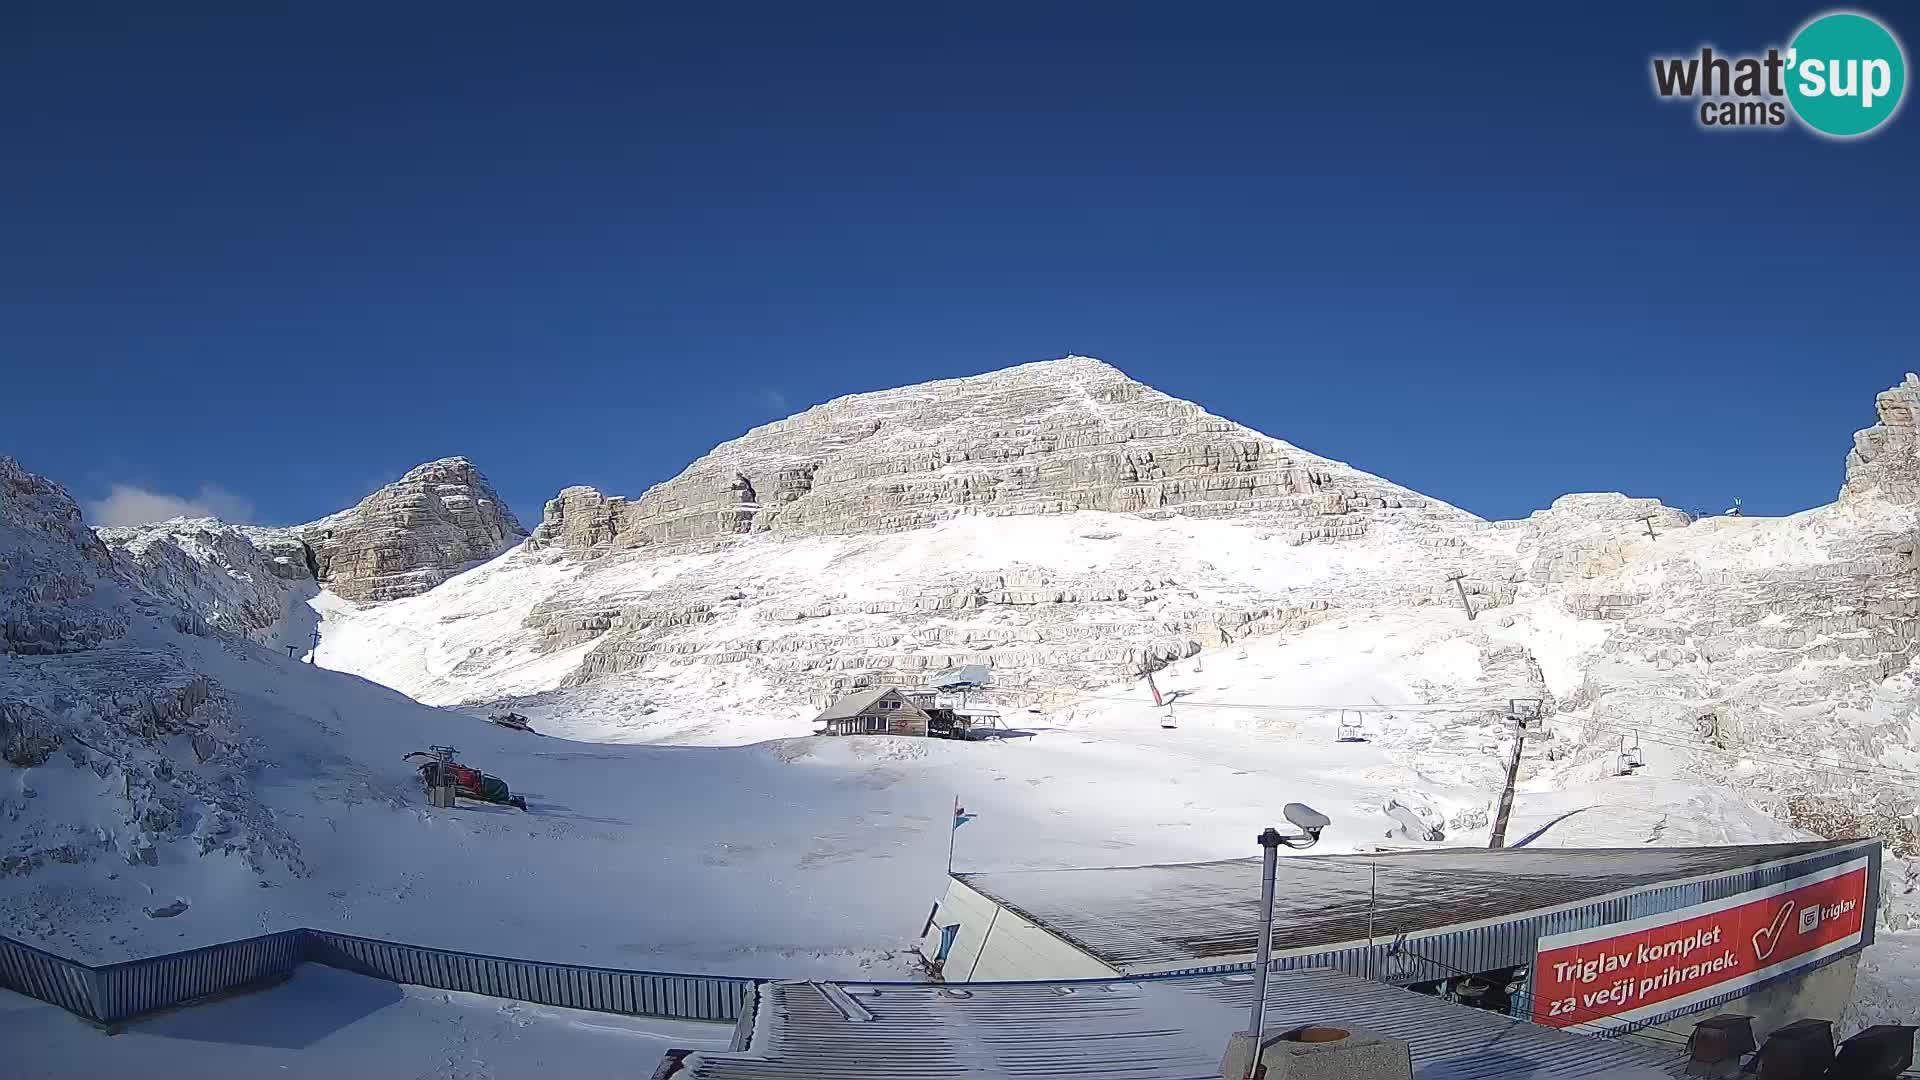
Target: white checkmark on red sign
1771,934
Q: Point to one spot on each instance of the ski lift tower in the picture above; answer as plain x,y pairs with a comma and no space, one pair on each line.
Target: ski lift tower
1523,716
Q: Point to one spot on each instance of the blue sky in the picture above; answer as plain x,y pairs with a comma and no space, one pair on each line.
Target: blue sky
266,260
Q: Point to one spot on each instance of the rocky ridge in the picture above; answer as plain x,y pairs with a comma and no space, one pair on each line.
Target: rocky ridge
248,581
407,537
1885,459
1054,437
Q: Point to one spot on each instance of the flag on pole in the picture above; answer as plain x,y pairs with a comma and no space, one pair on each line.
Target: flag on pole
960,815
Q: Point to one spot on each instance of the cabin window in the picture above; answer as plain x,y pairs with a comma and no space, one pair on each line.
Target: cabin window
876,723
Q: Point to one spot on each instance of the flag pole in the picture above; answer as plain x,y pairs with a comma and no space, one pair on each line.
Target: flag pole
953,826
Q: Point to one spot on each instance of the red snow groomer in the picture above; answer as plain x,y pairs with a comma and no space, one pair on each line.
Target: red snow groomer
468,783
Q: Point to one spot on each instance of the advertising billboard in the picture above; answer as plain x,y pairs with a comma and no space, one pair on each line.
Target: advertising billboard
1613,975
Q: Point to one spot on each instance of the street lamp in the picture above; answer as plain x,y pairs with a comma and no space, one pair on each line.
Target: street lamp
1310,822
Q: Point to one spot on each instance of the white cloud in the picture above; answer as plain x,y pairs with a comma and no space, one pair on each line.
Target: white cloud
126,504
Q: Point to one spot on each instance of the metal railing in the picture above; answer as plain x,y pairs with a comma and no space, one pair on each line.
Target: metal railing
121,991
574,986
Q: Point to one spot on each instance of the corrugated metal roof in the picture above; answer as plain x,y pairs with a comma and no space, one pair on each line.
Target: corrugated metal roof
853,704
1148,918
1163,1029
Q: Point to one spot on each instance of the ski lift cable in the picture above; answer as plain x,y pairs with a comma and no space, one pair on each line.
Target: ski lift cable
1647,732
1626,728
1765,755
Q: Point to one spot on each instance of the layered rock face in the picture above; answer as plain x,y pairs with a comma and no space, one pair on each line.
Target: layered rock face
1885,459
411,535
1047,438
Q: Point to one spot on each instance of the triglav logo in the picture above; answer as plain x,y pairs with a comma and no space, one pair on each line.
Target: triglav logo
1842,76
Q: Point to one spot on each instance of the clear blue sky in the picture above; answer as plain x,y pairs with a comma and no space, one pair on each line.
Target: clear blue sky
280,256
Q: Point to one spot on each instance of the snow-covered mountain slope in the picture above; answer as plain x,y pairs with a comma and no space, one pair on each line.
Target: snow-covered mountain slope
169,783
234,578
1058,521
1780,638
749,640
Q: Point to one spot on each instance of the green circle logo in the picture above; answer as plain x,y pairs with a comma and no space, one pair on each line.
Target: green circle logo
1845,74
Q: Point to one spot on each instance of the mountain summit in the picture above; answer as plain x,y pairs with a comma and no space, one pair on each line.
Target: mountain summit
1053,437
1058,521
407,537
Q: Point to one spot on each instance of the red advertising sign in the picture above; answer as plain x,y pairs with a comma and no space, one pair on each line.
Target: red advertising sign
1615,974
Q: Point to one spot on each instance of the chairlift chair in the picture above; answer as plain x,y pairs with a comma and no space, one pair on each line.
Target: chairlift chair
1349,729
1166,718
1631,758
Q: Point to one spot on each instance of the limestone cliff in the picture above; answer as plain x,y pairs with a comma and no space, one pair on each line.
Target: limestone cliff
438,519
1885,458
1047,438
1057,521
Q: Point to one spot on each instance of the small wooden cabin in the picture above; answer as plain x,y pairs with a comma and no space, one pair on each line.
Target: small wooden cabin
884,711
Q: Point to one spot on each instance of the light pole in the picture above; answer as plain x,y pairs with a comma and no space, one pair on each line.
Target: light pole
1310,822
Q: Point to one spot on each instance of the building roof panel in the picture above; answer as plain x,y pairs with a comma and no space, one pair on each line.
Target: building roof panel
853,704
1147,918
1152,1029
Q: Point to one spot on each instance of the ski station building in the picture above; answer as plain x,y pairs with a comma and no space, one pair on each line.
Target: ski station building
1598,941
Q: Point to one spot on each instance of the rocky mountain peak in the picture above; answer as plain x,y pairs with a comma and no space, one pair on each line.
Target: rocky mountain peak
1052,437
51,566
1885,459
438,519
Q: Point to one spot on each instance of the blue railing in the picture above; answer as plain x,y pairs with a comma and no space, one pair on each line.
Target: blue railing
115,992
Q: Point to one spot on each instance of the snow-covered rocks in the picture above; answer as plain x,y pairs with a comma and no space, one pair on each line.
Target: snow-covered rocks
438,519
246,581
1885,459
51,567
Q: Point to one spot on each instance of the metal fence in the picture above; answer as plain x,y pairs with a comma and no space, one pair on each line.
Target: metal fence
40,974
575,986
116,992
128,989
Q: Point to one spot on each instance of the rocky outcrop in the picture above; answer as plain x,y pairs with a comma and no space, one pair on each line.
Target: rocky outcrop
106,681
51,567
1588,534
1046,438
1885,459
411,535
240,580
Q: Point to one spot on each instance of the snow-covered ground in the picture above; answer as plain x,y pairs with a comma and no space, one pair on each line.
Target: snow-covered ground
765,614
324,1024
810,856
